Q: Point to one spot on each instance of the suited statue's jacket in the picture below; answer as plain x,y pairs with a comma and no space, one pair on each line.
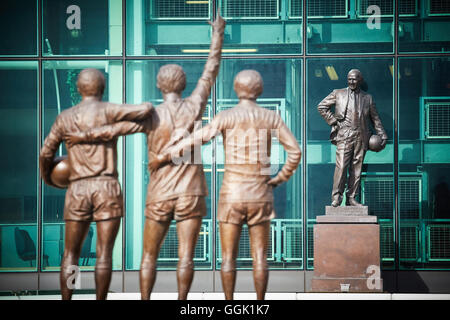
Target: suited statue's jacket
339,99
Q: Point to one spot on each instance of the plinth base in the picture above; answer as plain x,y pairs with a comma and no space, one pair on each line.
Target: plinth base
347,254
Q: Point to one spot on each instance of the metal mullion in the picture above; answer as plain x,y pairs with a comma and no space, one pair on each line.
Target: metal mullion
39,135
213,230
63,58
213,186
228,57
204,57
396,164
423,55
304,144
124,100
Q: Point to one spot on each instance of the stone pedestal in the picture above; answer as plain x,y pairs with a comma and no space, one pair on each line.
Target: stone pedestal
346,251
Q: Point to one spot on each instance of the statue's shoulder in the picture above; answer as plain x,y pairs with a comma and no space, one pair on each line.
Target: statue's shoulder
69,112
365,94
340,91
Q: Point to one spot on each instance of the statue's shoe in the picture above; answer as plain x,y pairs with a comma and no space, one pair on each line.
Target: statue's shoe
353,202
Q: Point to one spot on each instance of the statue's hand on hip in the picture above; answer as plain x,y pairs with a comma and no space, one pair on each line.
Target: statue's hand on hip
336,126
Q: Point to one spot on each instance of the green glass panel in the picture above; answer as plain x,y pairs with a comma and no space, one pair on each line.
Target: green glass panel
18,27
18,165
82,27
377,191
179,27
282,93
424,157
141,86
60,93
423,26
355,26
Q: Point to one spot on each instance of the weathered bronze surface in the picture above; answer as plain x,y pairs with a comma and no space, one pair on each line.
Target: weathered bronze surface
246,195
94,193
175,191
350,132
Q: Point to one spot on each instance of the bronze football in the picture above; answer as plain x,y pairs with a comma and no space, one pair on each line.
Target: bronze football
60,172
375,143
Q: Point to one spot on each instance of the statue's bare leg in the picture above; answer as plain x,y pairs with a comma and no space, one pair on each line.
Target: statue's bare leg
154,234
187,231
75,234
106,236
259,238
229,240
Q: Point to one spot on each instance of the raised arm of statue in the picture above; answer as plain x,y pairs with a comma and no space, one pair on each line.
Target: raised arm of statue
202,90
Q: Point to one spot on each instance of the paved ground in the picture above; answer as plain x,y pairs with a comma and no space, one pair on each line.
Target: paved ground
247,296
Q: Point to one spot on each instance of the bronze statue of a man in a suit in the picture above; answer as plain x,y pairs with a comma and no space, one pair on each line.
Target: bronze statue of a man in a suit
350,133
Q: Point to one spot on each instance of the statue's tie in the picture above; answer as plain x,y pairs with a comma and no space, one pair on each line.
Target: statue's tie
355,109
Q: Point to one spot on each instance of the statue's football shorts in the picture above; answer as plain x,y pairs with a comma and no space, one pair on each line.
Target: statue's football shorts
181,208
245,212
93,199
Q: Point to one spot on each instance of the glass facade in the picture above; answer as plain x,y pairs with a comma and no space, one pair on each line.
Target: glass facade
178,27
18,28
424,92
342,26
73,27
19,169
401,47
422,26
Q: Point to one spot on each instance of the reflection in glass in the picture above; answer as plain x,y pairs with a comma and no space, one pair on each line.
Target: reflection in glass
60,93
282,93
355,26
179,27
262,27
83,27
424,156
18,165
18,27
423,26
377,192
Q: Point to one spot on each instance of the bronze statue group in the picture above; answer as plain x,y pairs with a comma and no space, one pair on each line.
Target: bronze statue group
177,186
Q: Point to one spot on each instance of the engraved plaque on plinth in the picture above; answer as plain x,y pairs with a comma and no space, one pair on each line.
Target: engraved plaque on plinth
346,251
